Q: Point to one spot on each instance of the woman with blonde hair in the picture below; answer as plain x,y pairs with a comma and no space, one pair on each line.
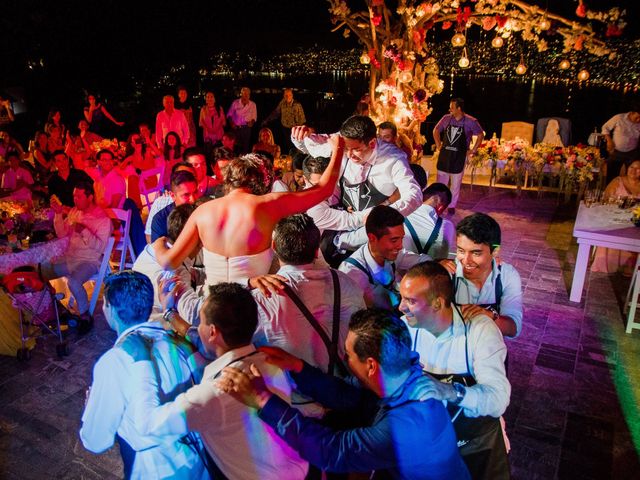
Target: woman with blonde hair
266,143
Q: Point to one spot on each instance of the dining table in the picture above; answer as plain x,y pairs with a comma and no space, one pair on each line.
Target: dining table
601,225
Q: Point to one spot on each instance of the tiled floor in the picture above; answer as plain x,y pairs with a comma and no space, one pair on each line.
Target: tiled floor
575,373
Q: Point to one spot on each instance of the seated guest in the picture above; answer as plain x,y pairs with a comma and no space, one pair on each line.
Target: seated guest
88,228
266,143
16,180
184,189
41,155
223,155
609,260
139,156
378,265
397,436
65,179
296,243
128,298
481,284
146,262
294,180
172,154
240,444
110,187
162,201
466,359
195,157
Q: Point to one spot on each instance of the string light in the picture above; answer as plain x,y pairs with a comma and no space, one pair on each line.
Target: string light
583,75
564,64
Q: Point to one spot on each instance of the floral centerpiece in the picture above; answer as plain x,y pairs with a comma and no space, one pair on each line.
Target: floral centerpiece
117,148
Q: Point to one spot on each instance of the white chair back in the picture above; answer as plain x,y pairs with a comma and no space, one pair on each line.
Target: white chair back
98,278
123,244
150,193
511,130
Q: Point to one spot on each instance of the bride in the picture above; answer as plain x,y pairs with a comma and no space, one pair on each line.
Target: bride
235,230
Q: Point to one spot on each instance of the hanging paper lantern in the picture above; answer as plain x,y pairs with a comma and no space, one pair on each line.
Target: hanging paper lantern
405,77
583,75
521,69
497,42
458,40
365,59
564,64
464,60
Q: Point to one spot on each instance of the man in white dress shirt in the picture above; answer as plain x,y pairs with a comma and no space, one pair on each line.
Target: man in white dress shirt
377,266
108,413
171,120
622,132
373,170
466,361
241,445
242,115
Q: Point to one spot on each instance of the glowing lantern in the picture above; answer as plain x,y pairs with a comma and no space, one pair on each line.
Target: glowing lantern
458,40
564,64
405,77
521,69
583,75
497,42
365,59
464,59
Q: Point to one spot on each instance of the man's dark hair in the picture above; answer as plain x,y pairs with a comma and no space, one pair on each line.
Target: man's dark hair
12,154
191,152
388,126
103,151
180,177
419,175
314,165
177,219
439,280
298,160
480,228
358,127
296,239
233,311
459,102
130,294
381,219
439,189
86,186
230,134
382,336
181,165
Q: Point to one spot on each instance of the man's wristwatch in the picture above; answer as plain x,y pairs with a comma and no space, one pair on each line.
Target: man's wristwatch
168,314
494,313
460,392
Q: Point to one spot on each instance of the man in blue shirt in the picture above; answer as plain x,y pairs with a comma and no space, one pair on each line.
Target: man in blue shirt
406,438
184,189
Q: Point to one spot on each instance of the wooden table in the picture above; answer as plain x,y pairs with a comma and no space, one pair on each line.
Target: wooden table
602,226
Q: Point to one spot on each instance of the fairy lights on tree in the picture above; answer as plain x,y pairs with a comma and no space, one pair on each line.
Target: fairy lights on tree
405,72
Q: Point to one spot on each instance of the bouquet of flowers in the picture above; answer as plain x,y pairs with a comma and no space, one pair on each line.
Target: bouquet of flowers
117,148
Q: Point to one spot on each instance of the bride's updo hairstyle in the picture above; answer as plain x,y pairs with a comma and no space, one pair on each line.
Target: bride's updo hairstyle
247,171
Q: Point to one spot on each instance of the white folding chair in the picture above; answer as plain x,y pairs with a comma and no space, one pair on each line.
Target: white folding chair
153,192
123,241
102,272
632,299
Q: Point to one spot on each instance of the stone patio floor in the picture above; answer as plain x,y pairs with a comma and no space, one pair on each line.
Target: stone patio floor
574,371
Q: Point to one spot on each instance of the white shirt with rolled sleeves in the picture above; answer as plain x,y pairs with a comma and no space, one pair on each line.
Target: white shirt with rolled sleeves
511,302
157,205
387,169
109,409
242,445
281,323
423,221
624,132
445,354
377,295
